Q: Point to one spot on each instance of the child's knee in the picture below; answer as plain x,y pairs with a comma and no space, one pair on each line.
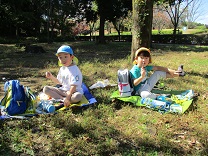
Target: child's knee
146,94
46,89
76,97
79,97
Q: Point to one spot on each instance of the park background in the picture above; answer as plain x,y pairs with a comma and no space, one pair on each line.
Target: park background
27,51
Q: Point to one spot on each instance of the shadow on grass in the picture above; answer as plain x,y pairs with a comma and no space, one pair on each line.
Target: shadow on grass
180,48
96,135
100,139
129,146
13,62
205,75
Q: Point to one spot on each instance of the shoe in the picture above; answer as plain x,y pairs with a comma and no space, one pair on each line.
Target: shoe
181,71
180,68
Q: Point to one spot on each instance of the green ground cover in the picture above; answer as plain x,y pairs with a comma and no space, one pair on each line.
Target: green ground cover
167,31
107,128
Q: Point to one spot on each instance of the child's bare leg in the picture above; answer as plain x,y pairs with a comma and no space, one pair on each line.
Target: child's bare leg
172,73
175,73
53,92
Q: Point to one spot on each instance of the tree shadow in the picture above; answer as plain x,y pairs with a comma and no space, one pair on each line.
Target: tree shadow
180,47
204,75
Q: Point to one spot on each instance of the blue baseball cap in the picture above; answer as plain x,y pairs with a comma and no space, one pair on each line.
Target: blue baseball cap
65,49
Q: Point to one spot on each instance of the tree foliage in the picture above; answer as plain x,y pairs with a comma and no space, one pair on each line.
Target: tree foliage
161,20
111,10
36,17
19,17
175,9
32,17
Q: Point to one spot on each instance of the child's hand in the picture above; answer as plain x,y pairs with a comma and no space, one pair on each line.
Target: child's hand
66,102
51,77
143,71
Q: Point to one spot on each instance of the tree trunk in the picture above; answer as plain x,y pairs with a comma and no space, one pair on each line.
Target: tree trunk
118,29
17,32
174,34
146,29
135,28
101,29
142,24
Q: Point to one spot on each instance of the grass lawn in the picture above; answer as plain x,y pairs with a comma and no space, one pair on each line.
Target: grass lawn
165,32
107,128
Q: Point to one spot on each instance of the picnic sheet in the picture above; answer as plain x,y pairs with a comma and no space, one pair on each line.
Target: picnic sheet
183,99
87,99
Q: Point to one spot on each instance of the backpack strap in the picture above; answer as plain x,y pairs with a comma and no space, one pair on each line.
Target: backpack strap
6,85
131,84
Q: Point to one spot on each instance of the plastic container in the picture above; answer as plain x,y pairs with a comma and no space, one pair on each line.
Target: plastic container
47,106
155,104
176,108
164,98
188,94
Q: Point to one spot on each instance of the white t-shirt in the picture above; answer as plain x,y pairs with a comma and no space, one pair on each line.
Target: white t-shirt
68,76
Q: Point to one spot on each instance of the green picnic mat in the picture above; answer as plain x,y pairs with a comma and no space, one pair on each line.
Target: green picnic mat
136,100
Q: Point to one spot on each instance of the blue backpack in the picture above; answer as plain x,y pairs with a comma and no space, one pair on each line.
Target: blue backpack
17,98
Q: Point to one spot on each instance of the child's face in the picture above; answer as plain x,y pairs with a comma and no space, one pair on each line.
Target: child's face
65,59
142,61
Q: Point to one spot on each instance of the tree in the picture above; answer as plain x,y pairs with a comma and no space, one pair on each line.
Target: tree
175,9
142,24
110,10
160,19
103,12
18,17
120,12
195,11
127,23
91,15
35,16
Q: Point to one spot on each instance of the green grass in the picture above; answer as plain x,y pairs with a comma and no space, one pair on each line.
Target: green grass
107,128
195,31
166,32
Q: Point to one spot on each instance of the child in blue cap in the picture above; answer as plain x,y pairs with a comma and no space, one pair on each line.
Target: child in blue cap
69,78
139,73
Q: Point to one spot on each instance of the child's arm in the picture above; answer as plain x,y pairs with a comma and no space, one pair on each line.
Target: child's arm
139,79
53,78
69,93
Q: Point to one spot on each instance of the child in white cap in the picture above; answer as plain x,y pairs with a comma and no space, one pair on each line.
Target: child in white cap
69,78
142,84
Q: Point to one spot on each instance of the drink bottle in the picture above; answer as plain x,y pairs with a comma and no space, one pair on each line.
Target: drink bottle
47,106
164,98
155,104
